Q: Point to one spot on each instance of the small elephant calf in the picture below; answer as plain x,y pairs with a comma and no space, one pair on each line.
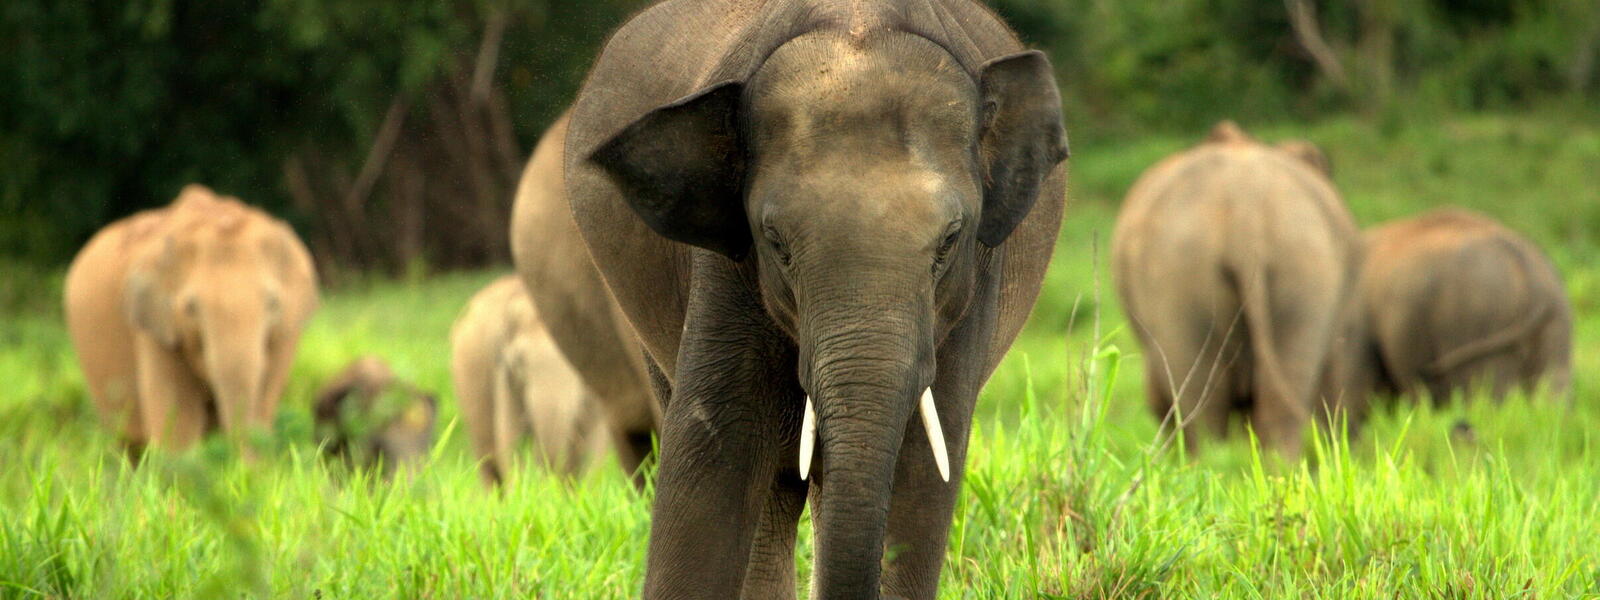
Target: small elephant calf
1452,298
512,383
186,318
372,419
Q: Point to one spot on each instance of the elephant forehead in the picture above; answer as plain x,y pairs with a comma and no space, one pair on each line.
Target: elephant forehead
887,195
825,81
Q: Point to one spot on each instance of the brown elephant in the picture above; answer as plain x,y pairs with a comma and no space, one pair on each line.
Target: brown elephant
1452,298
1233,261
371,419
186,318
825,223
512,383
579,313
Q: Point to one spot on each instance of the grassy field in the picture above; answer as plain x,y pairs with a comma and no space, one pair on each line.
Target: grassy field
1068,496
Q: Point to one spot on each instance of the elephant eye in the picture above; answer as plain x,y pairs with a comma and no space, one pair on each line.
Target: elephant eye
952,236
779,247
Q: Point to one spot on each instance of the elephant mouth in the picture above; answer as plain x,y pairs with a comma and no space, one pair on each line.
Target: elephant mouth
930,425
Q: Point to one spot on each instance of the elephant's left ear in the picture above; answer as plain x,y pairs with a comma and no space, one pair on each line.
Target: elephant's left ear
681,168
1023,139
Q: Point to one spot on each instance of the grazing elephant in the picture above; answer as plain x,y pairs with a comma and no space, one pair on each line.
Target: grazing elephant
186,318
1233,261
826,223
512,383
371,419
579,314
1451,297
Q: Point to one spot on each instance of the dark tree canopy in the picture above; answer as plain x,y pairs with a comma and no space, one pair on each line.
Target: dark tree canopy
393,132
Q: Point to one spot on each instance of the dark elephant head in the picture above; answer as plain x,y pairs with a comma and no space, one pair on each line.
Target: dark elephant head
867,181
370,418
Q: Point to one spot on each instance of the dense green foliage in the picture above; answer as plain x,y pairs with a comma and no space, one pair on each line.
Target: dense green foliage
1065,498
107,106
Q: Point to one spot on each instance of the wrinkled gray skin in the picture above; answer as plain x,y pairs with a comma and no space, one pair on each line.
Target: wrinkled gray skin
1452,298
846,200
372,419
575,309
1233,261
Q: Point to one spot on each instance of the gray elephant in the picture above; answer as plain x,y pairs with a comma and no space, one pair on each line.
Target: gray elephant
1233,261
576,311
826,222
371,419
1452,298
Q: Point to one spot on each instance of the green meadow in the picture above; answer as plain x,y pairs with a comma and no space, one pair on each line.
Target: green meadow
1071,491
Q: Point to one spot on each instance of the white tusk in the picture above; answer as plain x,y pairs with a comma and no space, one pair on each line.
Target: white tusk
930,424
808,439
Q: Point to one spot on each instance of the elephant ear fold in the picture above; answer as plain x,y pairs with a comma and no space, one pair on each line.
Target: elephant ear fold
1309,153
1023,139
147,303
681,168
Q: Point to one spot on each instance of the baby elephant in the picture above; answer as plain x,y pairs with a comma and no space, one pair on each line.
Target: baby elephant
368,417
186,318
1452,298
1233,261
512,383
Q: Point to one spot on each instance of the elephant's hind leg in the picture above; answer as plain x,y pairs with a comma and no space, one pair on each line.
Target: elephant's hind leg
1191,382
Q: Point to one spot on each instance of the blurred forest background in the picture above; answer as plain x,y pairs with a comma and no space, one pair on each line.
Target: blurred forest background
385,129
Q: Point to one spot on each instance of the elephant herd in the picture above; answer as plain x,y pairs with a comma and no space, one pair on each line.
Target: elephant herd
1246,281
791,240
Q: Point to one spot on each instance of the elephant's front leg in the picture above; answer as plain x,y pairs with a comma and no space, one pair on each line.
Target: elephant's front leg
770,575
921,507
173,402
720,439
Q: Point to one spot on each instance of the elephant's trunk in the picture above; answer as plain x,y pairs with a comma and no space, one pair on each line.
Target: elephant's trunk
866,361
236,363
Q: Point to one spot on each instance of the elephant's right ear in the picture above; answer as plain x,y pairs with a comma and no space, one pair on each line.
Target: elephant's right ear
1309,153
681,168
147,303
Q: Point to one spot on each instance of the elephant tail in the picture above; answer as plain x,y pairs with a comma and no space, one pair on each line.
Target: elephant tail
1541,311
1257,300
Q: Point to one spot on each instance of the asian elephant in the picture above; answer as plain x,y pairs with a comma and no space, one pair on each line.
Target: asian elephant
825,222
1452,298
372,419
512,383
578,313
1233,261
186,318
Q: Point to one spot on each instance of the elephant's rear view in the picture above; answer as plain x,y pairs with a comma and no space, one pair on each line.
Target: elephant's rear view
1452,298
186,318
1234,261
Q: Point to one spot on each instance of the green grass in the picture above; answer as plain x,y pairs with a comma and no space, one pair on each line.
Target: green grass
1066,496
